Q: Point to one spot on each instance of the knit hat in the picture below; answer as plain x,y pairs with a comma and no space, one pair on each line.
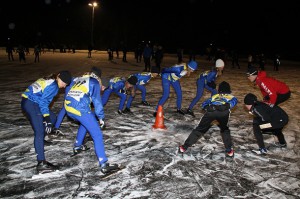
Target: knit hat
193,65
250,99
65,76
252,71
224,87
132,80
96,71
154,69
220,63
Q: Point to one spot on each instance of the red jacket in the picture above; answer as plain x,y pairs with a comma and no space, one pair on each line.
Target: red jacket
270,86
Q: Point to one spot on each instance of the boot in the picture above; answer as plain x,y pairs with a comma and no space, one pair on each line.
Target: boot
45,167
106,168
190,112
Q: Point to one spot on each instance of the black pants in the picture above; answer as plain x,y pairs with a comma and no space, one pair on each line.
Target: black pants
258,133
282,97
205,123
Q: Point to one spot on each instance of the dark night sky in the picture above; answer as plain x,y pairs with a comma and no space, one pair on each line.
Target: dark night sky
240,24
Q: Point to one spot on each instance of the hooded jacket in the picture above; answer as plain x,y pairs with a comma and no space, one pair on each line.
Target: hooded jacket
270,86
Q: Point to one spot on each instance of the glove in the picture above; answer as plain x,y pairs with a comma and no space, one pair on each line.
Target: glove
266,98
48,125
212,84
57,132
102,124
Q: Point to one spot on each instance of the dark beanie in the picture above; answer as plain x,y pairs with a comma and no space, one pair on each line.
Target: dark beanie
224,87
250,99
65,76
132,80
96,71
154,69
252,71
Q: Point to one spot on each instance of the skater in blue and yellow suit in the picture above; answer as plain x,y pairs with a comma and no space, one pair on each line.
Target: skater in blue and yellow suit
206,80
170,76
143,78
35,103
82,92
119,86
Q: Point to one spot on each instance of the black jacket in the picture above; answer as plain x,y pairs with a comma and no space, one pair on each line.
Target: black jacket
265,114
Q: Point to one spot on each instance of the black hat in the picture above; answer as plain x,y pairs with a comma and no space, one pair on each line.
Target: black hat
96,71
154,69
132,80
252,71
250,99
65,76
224,87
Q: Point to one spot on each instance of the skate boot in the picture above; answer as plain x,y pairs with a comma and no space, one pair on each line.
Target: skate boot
190,112
45,167
106,168
79,149
145,103
229,152
180,111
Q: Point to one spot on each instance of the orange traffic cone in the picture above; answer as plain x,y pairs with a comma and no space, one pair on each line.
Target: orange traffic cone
159,120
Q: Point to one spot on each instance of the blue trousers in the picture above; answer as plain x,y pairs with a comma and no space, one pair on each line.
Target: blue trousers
107,94
88,122
35,117
166,92
201,85
142,88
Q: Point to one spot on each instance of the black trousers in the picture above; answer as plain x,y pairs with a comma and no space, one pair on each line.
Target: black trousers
258,133
205,123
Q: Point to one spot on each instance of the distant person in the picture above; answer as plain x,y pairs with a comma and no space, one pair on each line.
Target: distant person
10,50
274,91
262,61
37,51
217,107
90,49
250,60
192,55
121,87
179,55
170,77
266,119
142,79
83,92
207,80
235,59
147,53
35,103
124,50
276,62
21,52
159,55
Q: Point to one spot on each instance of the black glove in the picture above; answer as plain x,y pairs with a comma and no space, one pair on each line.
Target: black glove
48,125
212,84
266,98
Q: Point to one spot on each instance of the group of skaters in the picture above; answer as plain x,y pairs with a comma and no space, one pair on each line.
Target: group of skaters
86,96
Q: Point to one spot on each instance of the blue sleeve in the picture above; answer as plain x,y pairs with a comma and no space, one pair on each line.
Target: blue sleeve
211,76
48,94
96,97
60,117
206,103
233,101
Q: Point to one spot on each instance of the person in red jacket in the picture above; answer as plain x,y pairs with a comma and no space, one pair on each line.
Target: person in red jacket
274,91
